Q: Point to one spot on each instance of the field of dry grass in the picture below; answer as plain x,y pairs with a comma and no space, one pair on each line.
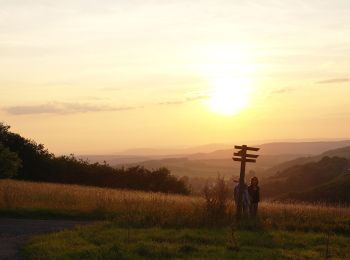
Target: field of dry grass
143,209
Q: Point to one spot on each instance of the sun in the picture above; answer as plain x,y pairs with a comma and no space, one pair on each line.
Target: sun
229,96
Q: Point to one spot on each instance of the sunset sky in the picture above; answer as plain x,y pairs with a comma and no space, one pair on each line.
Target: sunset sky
102,76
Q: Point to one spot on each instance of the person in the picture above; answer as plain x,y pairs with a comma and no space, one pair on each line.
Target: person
254,195
245,197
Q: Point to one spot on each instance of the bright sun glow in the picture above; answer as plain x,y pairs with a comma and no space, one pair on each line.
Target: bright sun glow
227,70
229,96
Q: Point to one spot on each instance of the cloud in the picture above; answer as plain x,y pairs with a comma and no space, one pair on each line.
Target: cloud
112,89
335,80
184,101
170,103
74,108
198,97
282,90
62,108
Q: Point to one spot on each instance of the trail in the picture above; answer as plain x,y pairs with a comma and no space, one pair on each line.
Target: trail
15,232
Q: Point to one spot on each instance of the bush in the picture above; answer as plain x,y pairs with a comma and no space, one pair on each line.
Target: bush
217,198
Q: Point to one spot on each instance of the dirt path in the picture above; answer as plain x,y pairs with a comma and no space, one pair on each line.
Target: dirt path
14,232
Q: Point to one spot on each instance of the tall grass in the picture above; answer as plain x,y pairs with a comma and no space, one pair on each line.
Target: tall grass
143,209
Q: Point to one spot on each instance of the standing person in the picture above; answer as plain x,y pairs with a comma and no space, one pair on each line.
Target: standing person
254,195
245,197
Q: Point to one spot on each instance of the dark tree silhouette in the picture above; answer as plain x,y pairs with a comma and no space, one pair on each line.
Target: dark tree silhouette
38,164
9,163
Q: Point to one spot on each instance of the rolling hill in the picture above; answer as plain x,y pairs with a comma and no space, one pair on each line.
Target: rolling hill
210,165
203,167
218,151
313,181
211,168
279,148
343,152
334,191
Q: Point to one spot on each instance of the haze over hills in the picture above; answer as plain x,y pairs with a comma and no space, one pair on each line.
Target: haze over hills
211,168
343,152
287,170
207,148
288,150
209,165
201,166
280,148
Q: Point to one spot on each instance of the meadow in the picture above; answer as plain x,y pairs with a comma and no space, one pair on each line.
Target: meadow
135,224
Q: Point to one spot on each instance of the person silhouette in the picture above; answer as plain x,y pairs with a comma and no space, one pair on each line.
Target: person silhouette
254,196
245,197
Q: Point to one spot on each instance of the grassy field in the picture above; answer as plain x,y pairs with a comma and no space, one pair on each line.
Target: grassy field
139,224
109,241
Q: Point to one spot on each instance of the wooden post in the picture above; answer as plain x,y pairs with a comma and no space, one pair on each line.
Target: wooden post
243,157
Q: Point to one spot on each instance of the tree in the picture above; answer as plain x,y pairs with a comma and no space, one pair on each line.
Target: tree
34,157
38,164
9,163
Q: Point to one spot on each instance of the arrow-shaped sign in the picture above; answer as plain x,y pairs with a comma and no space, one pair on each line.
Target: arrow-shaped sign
247,148
243,160
246,155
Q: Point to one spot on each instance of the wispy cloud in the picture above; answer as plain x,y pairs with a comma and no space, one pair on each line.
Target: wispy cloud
74,108
197,97
63,108
335,80
112,89
282,90
170,103
188,99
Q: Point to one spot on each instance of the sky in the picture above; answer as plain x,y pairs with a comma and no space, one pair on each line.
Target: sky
103,76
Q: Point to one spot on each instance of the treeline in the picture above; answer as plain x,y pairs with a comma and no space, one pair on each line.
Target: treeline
24,159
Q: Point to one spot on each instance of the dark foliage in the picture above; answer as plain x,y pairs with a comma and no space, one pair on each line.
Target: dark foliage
38,164
301,178
9,163
335,191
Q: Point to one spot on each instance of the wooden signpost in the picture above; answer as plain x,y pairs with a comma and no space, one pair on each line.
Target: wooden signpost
244,157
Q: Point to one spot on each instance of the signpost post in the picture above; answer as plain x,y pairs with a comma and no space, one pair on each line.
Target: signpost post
244,157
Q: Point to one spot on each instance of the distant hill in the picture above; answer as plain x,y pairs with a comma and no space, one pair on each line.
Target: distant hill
343,152
156,152
273,157
210,168
311,148
279,148
115,159
335,191
193,168
203,167
301,179
291,150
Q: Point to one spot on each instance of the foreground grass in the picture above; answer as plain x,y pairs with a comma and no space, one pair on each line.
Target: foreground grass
142,209
154,225
109,241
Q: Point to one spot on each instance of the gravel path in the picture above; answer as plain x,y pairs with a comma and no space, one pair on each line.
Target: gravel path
15,232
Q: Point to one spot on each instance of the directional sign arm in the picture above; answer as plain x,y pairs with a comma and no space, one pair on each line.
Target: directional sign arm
243,160
246,155
247,148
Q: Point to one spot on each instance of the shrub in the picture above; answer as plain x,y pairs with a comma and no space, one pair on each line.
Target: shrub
216,198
